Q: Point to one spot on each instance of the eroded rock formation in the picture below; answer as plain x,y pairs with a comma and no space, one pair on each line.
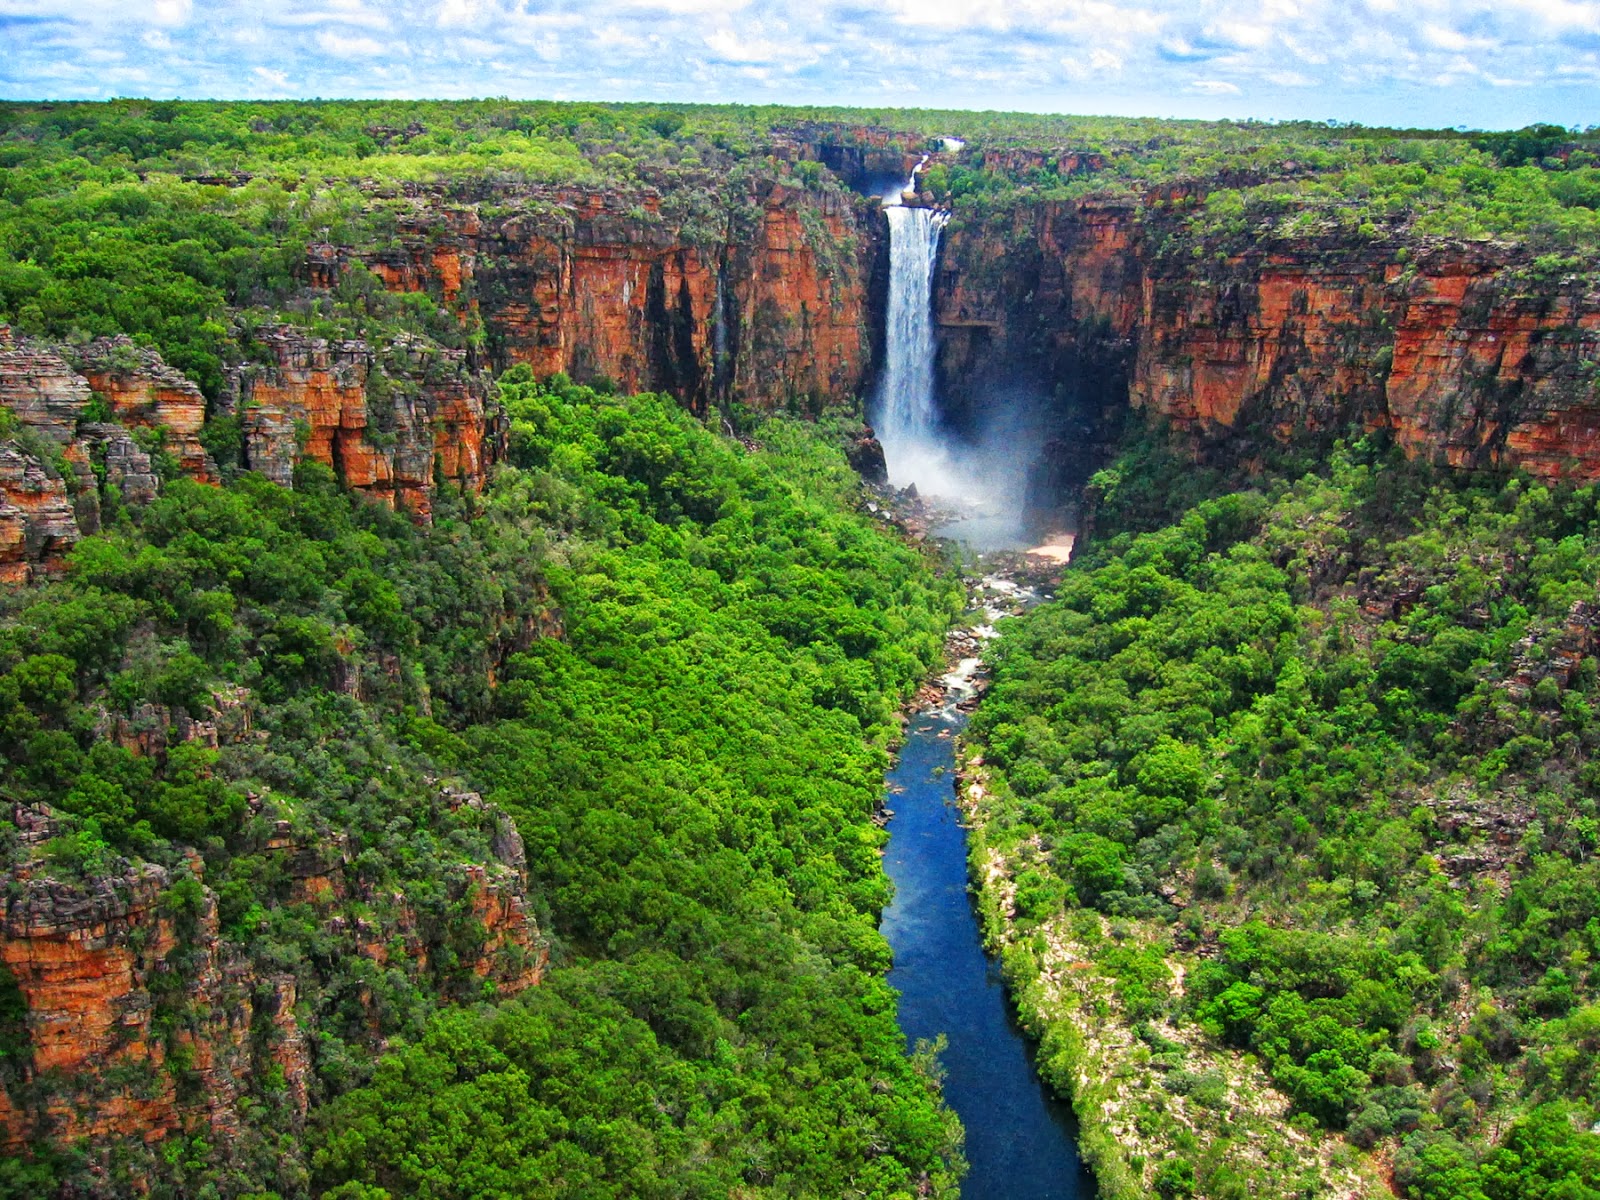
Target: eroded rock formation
1462,350
389,420
145,393
43,465
143,1018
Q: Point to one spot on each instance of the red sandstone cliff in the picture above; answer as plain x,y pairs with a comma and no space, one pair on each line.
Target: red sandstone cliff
764,301
143,1019
49,493
758,296
1458,349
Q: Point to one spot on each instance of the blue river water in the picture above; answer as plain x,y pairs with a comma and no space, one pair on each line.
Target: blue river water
1020,1138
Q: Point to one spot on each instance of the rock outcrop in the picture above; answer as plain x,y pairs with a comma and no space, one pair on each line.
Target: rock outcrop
392,421
389,420
123,985
144,1019
37,522
145,393
42,463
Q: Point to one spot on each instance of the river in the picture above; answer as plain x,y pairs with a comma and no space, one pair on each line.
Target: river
1020,1138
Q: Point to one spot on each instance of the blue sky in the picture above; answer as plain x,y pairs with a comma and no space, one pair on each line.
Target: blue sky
1487,63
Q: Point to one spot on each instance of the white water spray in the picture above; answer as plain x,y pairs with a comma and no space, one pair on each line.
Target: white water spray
983,482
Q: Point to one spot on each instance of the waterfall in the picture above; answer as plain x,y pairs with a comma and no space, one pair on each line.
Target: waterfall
907,424
719,336
977,480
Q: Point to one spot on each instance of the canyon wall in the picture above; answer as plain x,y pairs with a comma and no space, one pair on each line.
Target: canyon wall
1468,355
760,299
759,294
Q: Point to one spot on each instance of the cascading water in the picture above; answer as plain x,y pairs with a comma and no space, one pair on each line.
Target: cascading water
980,480
907,423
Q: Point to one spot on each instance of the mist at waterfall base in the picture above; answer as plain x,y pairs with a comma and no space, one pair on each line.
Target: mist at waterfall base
981,477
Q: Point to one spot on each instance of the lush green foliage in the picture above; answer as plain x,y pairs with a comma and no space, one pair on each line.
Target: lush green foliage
689,767
1341,734
674,661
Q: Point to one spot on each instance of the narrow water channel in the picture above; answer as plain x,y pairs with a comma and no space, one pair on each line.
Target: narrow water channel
1020,1138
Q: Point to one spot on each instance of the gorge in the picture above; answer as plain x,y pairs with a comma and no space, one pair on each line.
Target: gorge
435,767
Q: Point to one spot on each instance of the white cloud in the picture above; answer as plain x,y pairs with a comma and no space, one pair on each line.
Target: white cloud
340,46
336,14
694,7
1214,87
1561,14
1246,34
731,47
459,12
1447,38
173,12
278,79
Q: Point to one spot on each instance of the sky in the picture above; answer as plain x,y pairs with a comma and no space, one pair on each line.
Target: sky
1478,63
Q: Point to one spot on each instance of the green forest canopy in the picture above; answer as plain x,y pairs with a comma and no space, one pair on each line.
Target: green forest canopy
1330,744
692,752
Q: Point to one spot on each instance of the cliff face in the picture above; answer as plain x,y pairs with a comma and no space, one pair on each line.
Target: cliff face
1467,360
43,398
388,420
1470,359
143,1019
767,309
145,393
1040,312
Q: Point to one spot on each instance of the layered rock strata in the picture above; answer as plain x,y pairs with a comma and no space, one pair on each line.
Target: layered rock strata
42,463
391,421
764,302
1469,357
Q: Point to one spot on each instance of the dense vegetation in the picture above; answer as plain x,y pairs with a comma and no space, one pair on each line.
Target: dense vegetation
675,663
1306,778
